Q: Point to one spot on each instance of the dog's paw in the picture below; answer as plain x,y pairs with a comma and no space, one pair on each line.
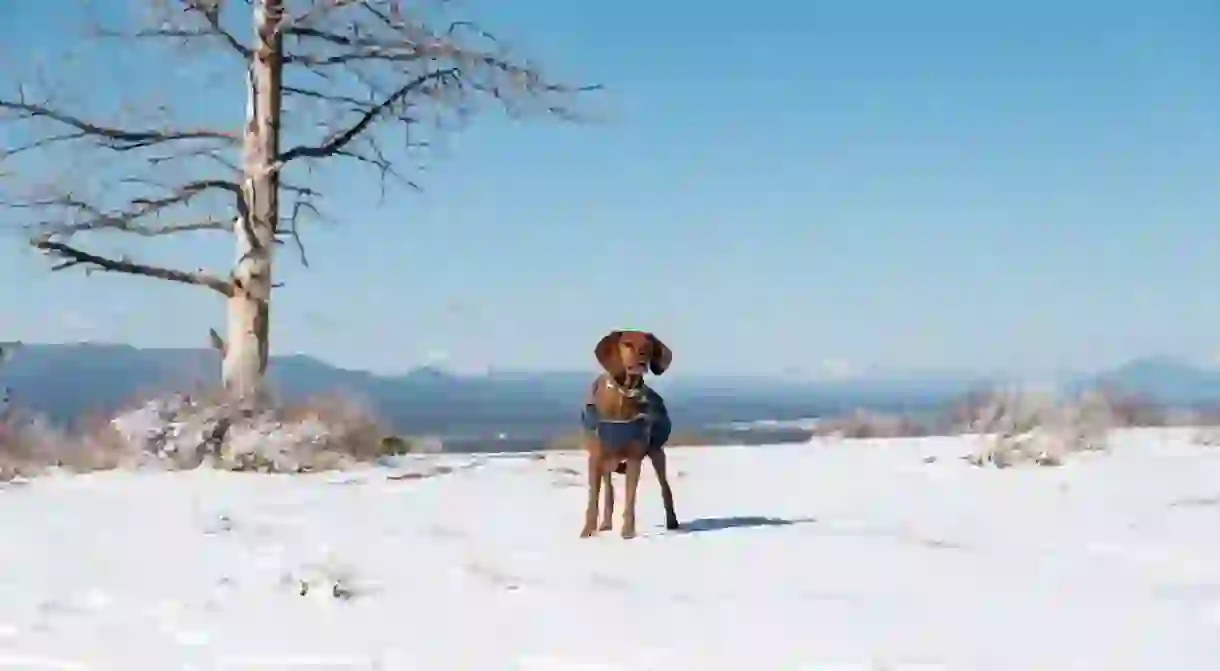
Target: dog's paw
672,525
587,532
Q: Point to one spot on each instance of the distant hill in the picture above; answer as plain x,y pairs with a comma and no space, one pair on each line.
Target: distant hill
66,381
1164,380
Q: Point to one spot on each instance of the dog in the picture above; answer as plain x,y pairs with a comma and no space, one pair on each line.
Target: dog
626,421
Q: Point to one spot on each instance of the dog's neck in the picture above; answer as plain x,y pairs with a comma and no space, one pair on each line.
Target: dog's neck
627,384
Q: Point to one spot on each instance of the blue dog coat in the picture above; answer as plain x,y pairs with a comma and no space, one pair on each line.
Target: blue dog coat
652,428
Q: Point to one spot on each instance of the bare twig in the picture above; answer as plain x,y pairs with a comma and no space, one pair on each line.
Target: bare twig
186,21
336,143
79,215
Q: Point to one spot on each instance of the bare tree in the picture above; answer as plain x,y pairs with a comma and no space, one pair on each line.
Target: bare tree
334,76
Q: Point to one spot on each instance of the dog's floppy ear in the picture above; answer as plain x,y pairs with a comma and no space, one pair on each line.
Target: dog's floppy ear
662,356
607,353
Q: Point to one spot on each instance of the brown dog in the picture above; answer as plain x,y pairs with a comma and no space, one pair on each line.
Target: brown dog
621,416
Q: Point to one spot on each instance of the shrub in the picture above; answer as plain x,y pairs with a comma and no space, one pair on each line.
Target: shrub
1032,427
30,444
186,431
867,424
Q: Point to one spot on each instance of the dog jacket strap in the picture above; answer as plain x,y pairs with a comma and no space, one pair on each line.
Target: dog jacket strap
591,399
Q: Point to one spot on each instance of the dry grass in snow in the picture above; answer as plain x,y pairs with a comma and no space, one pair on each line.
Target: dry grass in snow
186,431
1022,426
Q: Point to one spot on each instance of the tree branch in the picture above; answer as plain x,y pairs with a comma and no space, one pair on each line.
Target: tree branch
130,220
340,140
326,97
73,257
168,26
117,139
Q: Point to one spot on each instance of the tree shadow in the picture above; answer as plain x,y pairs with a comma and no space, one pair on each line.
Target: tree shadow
703,524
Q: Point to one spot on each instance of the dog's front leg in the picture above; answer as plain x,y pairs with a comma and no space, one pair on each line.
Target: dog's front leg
595,483
632,486
608,501
657,457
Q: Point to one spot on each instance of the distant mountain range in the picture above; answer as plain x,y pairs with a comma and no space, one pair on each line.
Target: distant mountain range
1164,380
66,381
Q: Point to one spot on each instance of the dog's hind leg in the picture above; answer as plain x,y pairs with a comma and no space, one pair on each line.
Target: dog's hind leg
607,502
596,466
632,487
657,457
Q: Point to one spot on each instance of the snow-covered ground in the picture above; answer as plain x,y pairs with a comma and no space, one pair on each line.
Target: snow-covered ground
861,555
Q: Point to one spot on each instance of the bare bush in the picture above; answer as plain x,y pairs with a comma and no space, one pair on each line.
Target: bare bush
867,424
1207,419
1021,426
964,414
353,428
180,431
24,446
29,444
1135,410
326,432
1008,412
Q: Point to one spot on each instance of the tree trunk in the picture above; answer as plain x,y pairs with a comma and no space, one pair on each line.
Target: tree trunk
248,347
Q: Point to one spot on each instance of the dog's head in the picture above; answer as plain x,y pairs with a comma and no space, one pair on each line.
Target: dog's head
632,353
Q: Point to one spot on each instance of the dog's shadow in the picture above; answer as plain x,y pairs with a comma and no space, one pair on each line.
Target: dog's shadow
704,524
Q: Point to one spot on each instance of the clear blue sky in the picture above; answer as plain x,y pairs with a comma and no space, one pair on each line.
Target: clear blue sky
786,186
